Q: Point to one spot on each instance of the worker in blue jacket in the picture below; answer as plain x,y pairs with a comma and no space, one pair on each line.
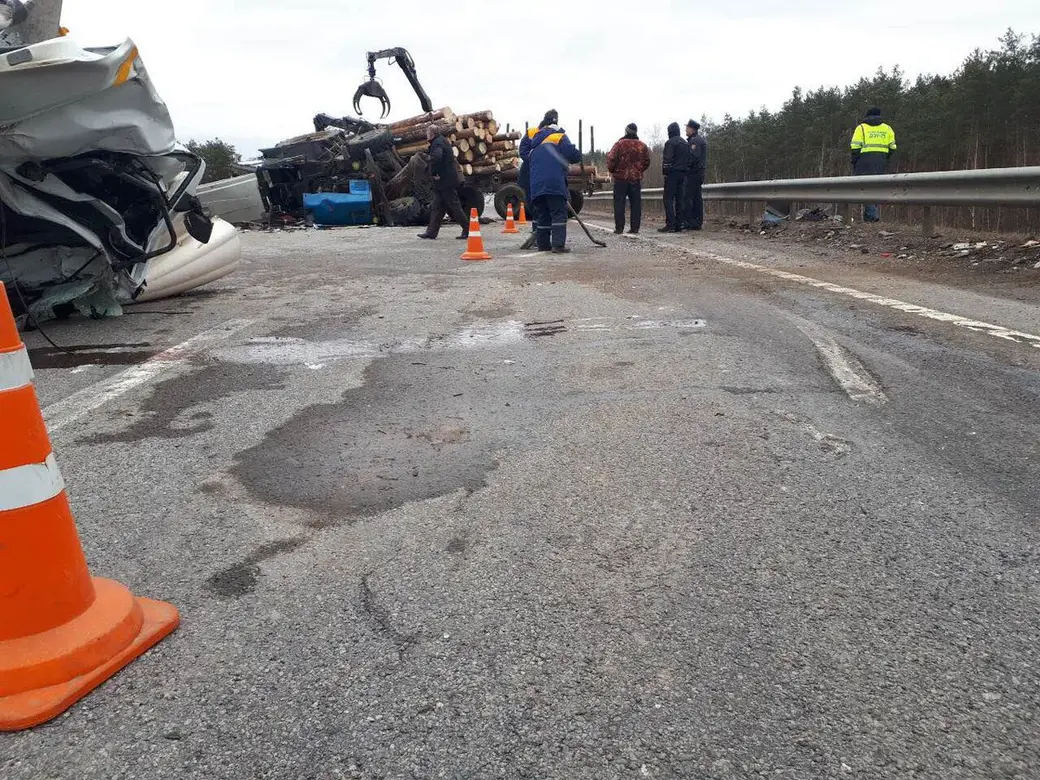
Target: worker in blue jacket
551,154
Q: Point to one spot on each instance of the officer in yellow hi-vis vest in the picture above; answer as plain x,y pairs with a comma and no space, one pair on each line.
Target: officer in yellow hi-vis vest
873,144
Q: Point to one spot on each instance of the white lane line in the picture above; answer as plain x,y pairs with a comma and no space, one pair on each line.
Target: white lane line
850,374
68,410
988,328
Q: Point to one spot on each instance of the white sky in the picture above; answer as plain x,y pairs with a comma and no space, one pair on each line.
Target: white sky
254,72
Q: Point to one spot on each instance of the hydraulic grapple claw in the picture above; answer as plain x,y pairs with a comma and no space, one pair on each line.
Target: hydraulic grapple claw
374,89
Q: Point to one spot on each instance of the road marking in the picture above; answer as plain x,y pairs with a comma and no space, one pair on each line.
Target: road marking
978,326
850,374
68,410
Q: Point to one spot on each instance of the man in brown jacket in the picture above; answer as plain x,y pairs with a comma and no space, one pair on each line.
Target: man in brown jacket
627,162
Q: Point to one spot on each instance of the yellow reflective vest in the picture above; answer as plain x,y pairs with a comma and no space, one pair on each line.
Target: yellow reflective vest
868,139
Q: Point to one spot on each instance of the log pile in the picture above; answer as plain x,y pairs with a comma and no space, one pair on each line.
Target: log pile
479,146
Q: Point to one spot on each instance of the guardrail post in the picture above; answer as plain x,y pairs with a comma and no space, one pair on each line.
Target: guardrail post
845,212
792,211
928,222
751,212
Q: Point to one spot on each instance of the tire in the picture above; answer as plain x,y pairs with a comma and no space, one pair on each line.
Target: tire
577,201
471,198
506,194
407,211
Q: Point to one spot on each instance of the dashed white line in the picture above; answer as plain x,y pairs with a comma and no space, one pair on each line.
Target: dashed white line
68,410
979,326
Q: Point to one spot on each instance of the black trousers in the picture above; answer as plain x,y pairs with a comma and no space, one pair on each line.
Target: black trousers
446,201
633,192
694,219
551,216
673,200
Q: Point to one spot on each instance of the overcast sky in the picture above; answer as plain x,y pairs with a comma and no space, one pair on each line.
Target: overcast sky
254,72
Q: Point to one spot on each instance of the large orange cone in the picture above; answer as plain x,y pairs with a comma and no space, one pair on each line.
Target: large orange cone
475,244
62,632
523,215
510,224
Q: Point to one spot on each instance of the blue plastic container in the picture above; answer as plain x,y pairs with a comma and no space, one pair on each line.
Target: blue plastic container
341,208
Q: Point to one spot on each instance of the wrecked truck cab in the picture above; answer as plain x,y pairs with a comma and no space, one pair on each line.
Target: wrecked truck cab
97,198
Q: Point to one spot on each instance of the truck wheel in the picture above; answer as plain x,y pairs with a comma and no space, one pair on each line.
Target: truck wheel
472,198
577,200
509,193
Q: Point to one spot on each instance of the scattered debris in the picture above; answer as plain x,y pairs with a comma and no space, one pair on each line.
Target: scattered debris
813,215
986,253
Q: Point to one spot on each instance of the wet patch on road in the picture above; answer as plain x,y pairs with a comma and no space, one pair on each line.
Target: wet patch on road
750,390
412,432
457,546
91,355
242,578
494,311
326,327
163,414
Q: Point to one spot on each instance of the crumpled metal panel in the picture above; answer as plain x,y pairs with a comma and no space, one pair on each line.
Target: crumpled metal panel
67,101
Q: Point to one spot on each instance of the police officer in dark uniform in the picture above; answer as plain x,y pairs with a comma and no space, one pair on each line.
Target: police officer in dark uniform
694,219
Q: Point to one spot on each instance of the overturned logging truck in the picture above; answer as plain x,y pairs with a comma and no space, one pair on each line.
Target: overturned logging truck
393,159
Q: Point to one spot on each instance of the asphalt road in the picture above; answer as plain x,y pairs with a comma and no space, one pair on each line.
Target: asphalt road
642,511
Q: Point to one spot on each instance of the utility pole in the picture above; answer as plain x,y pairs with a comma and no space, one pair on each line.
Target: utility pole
42,23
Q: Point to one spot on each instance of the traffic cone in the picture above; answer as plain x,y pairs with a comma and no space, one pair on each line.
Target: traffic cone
62,632
510,224
475,244
523,215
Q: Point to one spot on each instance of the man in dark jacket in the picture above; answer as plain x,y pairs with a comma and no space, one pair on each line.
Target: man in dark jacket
694,219
627,161
445,187
676,164
873,145
550,156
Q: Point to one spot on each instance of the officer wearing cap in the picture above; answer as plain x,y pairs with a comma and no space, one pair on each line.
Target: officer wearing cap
694,218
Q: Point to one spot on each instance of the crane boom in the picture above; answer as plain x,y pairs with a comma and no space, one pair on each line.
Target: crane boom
372,88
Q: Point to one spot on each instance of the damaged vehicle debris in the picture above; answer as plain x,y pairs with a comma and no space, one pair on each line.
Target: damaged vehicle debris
98,202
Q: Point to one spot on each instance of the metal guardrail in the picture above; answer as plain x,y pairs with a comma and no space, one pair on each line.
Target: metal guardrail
984,187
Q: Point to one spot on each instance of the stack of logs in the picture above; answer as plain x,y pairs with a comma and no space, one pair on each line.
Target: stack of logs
479,146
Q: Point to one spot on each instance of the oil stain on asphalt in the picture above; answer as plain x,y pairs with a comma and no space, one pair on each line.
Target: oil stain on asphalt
413,431
241,579
163,413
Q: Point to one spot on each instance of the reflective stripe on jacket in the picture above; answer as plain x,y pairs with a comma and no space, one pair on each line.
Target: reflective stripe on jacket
870,139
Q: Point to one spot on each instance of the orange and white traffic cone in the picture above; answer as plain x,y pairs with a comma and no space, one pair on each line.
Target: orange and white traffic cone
523,215
510,224
62,632
475,245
